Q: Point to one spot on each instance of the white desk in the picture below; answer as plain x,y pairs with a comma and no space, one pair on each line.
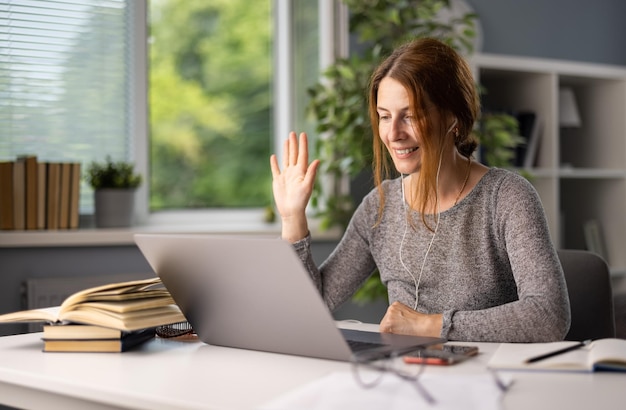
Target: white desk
166,374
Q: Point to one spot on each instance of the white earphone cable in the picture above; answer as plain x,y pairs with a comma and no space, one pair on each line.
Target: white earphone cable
416,281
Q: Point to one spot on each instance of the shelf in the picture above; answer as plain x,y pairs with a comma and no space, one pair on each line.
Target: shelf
570,172
108,237
124,236
590,173
581,171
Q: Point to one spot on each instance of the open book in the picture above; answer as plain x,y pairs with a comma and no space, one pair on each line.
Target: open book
601,354
125,306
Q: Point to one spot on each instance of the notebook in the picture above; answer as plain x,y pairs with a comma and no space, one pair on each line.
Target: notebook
254,293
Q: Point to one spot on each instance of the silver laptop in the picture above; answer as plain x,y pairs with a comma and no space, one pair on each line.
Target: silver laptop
254,293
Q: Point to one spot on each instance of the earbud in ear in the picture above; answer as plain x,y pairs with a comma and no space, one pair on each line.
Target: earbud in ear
452,127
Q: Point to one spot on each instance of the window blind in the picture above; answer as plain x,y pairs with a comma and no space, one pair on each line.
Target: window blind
65,74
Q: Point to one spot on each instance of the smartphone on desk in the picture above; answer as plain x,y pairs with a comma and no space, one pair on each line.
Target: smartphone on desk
442,355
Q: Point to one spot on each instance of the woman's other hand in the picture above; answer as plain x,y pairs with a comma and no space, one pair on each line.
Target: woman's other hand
401,319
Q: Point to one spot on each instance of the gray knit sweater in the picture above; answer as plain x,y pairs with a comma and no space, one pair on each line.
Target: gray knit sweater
492,269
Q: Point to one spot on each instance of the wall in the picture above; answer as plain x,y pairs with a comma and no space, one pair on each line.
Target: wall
577,30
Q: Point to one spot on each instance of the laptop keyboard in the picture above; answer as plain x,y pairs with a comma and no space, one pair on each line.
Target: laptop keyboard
358,346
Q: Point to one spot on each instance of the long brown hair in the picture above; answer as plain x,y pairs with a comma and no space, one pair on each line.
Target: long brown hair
432,73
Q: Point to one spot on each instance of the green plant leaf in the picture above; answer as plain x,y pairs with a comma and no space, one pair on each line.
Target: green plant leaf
109,174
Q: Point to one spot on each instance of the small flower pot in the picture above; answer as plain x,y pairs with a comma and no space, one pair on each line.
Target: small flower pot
114,207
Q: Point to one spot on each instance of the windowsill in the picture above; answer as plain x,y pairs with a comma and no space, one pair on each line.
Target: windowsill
248,222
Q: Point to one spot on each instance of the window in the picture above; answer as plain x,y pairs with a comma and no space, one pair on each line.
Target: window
75,84
210,105
65,77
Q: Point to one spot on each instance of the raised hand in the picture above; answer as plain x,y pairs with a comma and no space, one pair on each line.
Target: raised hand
293,185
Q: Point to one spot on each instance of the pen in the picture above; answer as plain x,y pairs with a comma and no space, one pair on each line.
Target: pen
558,352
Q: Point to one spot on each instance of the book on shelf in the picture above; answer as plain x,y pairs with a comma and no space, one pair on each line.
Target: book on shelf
534,142
127,306
42,177
64,195
39,195
74,215
30,191
601,354
529,130
52,195
122,343
6,195
19,194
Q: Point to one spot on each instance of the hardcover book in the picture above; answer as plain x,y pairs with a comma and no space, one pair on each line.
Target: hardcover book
30,191
529,127
52,195
42,184
64,195
125,342
77,332
19,194
6,195
74,195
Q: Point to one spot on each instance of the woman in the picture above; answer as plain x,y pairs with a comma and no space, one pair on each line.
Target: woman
463,249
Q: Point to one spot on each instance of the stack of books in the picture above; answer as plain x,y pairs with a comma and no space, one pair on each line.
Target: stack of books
39,195
108,318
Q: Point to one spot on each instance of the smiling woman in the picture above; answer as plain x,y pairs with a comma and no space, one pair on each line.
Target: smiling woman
462,248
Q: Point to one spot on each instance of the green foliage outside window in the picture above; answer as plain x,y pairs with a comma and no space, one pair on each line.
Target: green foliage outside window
210,103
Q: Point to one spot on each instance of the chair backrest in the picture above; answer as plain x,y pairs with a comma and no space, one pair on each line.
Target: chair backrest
591,298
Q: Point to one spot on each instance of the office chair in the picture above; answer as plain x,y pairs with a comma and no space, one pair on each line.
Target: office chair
590,295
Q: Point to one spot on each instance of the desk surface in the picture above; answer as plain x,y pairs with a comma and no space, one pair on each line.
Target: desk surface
167,374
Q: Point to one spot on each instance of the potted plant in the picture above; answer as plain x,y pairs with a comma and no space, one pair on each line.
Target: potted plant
338,104
114,185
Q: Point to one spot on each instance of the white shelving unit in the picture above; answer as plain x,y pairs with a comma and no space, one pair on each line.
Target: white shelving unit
580,173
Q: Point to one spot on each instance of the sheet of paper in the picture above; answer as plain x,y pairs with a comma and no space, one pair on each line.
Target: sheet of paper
340,391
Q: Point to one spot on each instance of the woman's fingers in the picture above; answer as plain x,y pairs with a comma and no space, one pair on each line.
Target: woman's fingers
295,151
303,150
274,166
286,153
311,172
292,149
